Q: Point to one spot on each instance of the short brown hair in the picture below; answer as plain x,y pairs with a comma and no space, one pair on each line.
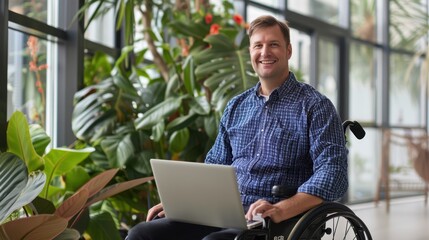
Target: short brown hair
269,21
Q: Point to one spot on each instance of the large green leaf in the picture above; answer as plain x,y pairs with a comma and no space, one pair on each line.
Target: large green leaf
13,179
99,107
42,206
39,138
217,78
61,160
35,183
141,162
200,105
102,226
189,77
213,66
189,28
181,122
19,142
75,178
178,140
158,113
109,145
225,69
17,188
210,125
68,234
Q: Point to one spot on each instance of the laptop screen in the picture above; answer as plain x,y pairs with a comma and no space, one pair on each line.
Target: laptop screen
199,193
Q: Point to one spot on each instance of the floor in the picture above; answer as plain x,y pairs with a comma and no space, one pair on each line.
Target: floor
408,219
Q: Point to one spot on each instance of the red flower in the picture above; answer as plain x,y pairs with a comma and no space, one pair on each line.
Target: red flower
238,19
214,29
32,43
43,67
33,66
208,18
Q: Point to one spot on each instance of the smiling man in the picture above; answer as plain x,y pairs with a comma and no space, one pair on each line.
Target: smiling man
280,132
270,51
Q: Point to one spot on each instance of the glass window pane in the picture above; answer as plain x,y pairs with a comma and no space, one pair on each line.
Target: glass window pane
364,166
362,75
299,63
41,10
27,76
29,8
325,10
405,93
278,4
328,69
102,28
404,14
402,158
363,19
254,12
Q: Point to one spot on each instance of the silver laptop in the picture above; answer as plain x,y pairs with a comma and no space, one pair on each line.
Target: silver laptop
199,193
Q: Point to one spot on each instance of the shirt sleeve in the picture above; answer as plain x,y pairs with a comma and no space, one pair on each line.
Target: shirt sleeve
328,152
221,152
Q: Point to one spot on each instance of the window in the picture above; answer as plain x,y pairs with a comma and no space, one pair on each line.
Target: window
299,63
35,9
325,10
41,67
254,12
328,65
363,19
362,75
278,4
403,15
28,74
406,106
102,29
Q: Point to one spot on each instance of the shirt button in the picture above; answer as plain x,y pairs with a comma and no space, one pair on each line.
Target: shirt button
262,130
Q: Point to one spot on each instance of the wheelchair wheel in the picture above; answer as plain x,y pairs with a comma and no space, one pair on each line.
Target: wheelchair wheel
330,221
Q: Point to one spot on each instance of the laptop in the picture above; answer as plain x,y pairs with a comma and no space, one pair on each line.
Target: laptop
199,193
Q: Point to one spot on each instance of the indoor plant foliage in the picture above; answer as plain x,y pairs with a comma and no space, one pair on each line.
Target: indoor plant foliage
56,202
171,108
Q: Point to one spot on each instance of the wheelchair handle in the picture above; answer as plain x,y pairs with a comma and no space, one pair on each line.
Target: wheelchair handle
355,128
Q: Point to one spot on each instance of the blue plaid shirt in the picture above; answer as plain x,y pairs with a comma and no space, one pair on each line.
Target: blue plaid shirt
294,139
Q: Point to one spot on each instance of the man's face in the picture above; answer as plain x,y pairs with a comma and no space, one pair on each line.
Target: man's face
270,54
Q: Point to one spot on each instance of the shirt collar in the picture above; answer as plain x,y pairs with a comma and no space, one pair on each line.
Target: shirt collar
281,91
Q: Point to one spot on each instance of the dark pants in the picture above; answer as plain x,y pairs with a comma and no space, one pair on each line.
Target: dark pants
165,229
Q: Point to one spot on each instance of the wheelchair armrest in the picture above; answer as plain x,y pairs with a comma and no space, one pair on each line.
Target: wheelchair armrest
282,191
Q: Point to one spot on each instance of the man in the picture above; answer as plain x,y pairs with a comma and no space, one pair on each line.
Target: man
280,132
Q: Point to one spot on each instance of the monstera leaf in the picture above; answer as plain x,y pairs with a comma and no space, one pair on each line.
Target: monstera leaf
225,68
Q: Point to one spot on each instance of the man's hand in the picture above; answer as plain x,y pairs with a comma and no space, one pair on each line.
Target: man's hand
157,210
265,209
285,209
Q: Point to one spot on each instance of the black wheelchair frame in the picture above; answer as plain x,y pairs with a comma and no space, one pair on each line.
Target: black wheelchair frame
329,220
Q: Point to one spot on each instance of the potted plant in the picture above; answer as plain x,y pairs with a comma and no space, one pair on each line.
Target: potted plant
56,204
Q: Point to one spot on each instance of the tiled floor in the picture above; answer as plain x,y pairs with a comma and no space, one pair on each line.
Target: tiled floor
408,219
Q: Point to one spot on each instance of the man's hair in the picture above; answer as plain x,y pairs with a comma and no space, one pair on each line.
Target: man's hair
269,21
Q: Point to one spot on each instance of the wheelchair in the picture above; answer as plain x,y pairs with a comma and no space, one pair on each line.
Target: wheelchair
329,220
